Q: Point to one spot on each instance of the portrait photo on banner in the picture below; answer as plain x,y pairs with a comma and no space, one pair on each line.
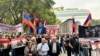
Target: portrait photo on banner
89,32
18,42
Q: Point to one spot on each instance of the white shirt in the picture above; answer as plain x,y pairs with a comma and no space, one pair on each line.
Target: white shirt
59,40
54,49
42,49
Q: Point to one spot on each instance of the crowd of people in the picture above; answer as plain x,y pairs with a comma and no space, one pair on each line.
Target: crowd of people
44,45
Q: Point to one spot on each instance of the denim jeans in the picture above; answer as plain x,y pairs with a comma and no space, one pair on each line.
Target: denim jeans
85,51
76,54
80,53
42,55
13,52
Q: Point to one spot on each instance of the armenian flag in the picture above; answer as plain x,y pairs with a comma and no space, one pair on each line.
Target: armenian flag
35,20
27,20
88,21
74,26
34,23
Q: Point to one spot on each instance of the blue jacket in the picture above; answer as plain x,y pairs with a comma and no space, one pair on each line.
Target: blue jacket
43,30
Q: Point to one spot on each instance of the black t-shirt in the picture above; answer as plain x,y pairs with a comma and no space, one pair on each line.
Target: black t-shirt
96,33
38,40
75,43
67,41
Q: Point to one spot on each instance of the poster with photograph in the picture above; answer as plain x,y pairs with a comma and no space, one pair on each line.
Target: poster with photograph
4,43
18,42
89,32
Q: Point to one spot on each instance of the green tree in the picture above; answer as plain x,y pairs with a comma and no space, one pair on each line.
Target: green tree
58,21
95,22
12,10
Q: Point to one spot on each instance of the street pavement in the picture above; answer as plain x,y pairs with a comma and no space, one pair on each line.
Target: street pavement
93,53
63,54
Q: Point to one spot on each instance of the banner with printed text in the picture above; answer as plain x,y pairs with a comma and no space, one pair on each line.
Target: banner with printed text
9,28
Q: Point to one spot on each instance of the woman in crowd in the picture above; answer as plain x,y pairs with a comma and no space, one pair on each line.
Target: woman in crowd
34,41
30,49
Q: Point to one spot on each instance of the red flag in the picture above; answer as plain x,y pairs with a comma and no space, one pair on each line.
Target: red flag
74,26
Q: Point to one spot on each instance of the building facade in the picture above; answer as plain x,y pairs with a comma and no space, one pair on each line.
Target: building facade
80,15
66,27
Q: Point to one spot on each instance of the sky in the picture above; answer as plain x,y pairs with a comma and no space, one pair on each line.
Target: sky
92,5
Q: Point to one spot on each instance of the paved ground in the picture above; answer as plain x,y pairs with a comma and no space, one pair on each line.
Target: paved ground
63,54
94,53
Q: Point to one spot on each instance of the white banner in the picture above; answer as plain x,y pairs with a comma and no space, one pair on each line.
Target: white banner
9,28
18,42
19,28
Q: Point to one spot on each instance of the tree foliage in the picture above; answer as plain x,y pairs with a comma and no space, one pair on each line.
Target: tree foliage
58,22
95,22
11,11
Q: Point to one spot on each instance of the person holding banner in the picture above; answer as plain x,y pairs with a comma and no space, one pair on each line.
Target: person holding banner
5,47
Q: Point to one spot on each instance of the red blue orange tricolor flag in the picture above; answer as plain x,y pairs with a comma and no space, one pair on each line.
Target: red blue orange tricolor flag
35,20
27,20
74,26
88,21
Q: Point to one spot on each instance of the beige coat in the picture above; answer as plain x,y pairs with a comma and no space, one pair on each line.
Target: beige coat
33,50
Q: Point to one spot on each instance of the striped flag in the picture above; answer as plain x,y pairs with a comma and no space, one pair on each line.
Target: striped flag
27,20
88,21
74,26
35,20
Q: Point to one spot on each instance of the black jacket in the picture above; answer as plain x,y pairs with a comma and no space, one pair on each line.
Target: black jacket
75,43
58,48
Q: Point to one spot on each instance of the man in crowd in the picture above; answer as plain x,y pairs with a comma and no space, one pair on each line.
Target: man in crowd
54,47
68,45
61,41
75,44
43,48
